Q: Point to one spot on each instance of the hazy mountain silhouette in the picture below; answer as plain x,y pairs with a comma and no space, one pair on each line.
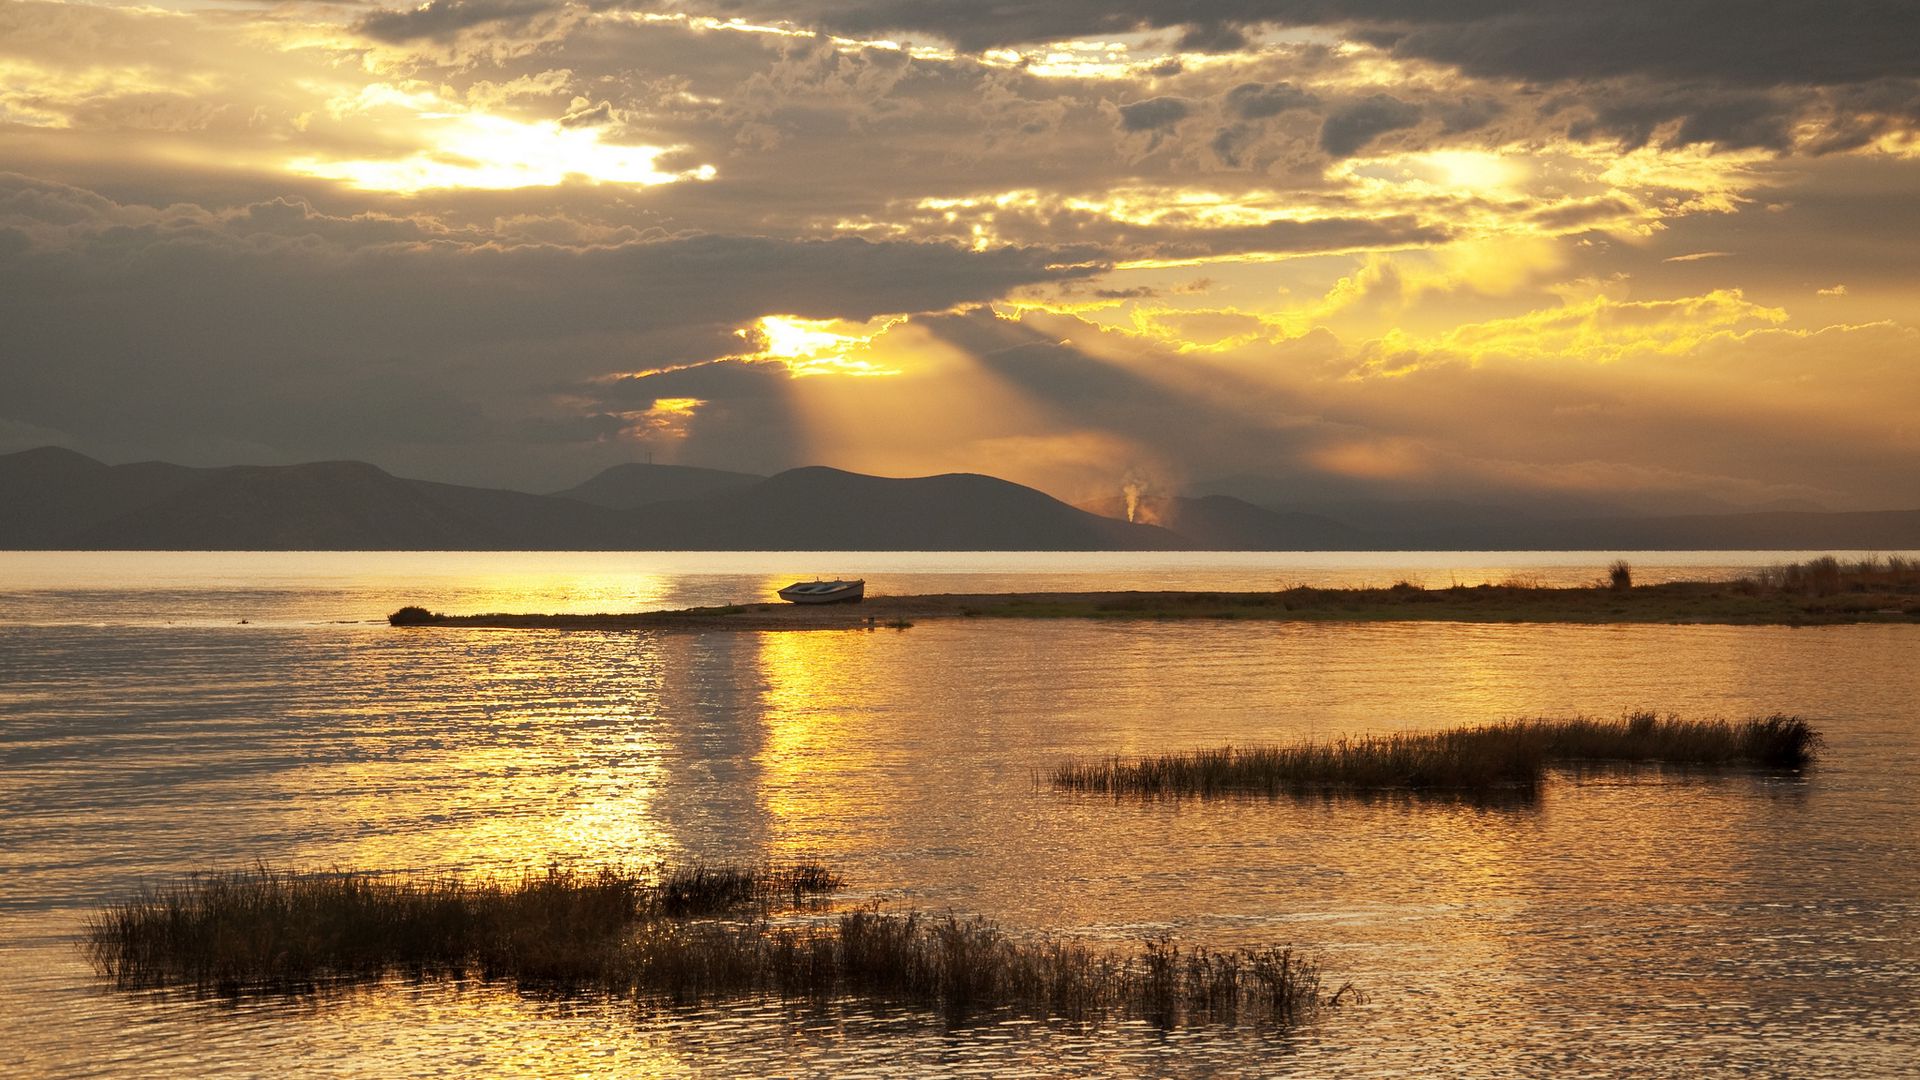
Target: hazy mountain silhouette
54,498
1224,523
822,509
50,494
623,487
59,499
347,505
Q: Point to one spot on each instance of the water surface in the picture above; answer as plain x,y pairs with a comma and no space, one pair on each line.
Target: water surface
1736,924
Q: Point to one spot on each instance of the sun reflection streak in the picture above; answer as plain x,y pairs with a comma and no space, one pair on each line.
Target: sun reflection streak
815,740
509,781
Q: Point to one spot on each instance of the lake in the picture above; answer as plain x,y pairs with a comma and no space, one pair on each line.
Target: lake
1624,924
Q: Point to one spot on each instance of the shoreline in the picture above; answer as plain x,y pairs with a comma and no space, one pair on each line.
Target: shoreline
1733,603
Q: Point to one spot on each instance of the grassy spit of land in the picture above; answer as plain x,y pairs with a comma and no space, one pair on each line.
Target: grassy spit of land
686,935
1509,757
1821,591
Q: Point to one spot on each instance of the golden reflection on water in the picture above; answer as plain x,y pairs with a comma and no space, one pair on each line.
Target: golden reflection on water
816,743
523,756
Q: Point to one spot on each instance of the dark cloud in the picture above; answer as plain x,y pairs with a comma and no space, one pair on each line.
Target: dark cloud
1752,42
1254,101
1212,37
1469,114
1744,42
1573,214
442,19
1352,126
1153,113
1731,120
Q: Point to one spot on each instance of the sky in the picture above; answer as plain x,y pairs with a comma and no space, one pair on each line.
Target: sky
1645,254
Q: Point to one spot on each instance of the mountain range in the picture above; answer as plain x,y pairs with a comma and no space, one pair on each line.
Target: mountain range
54,498
58,499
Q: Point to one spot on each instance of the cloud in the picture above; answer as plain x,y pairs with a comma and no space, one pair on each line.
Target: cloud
1772,42
1212,37
443,19
1729,41
1153,113
1353,126
1728,72
1257,101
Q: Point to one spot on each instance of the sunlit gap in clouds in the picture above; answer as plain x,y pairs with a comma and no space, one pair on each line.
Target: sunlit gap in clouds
465,149
821,346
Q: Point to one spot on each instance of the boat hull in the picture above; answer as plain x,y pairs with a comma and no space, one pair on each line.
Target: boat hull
809,592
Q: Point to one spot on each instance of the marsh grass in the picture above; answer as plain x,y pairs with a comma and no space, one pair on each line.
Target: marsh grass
697,934
1775,742
969,967
1464,759
1510,758
290,930
1829,576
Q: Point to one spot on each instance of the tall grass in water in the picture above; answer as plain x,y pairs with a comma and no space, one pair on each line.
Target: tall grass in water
964,967
704,933
1469,758
288,930
1777,741
1511,757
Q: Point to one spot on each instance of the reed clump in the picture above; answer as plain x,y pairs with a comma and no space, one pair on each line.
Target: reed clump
1510,757
1472,758
1620,575
1777,741
287,930
964,967
1829,576
696,934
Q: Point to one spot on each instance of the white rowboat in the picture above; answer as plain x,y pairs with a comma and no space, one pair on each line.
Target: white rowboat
824,592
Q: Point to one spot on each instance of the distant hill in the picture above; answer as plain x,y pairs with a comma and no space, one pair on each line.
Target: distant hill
624,487
56,498
822,509
345,506
50,494
1224,523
